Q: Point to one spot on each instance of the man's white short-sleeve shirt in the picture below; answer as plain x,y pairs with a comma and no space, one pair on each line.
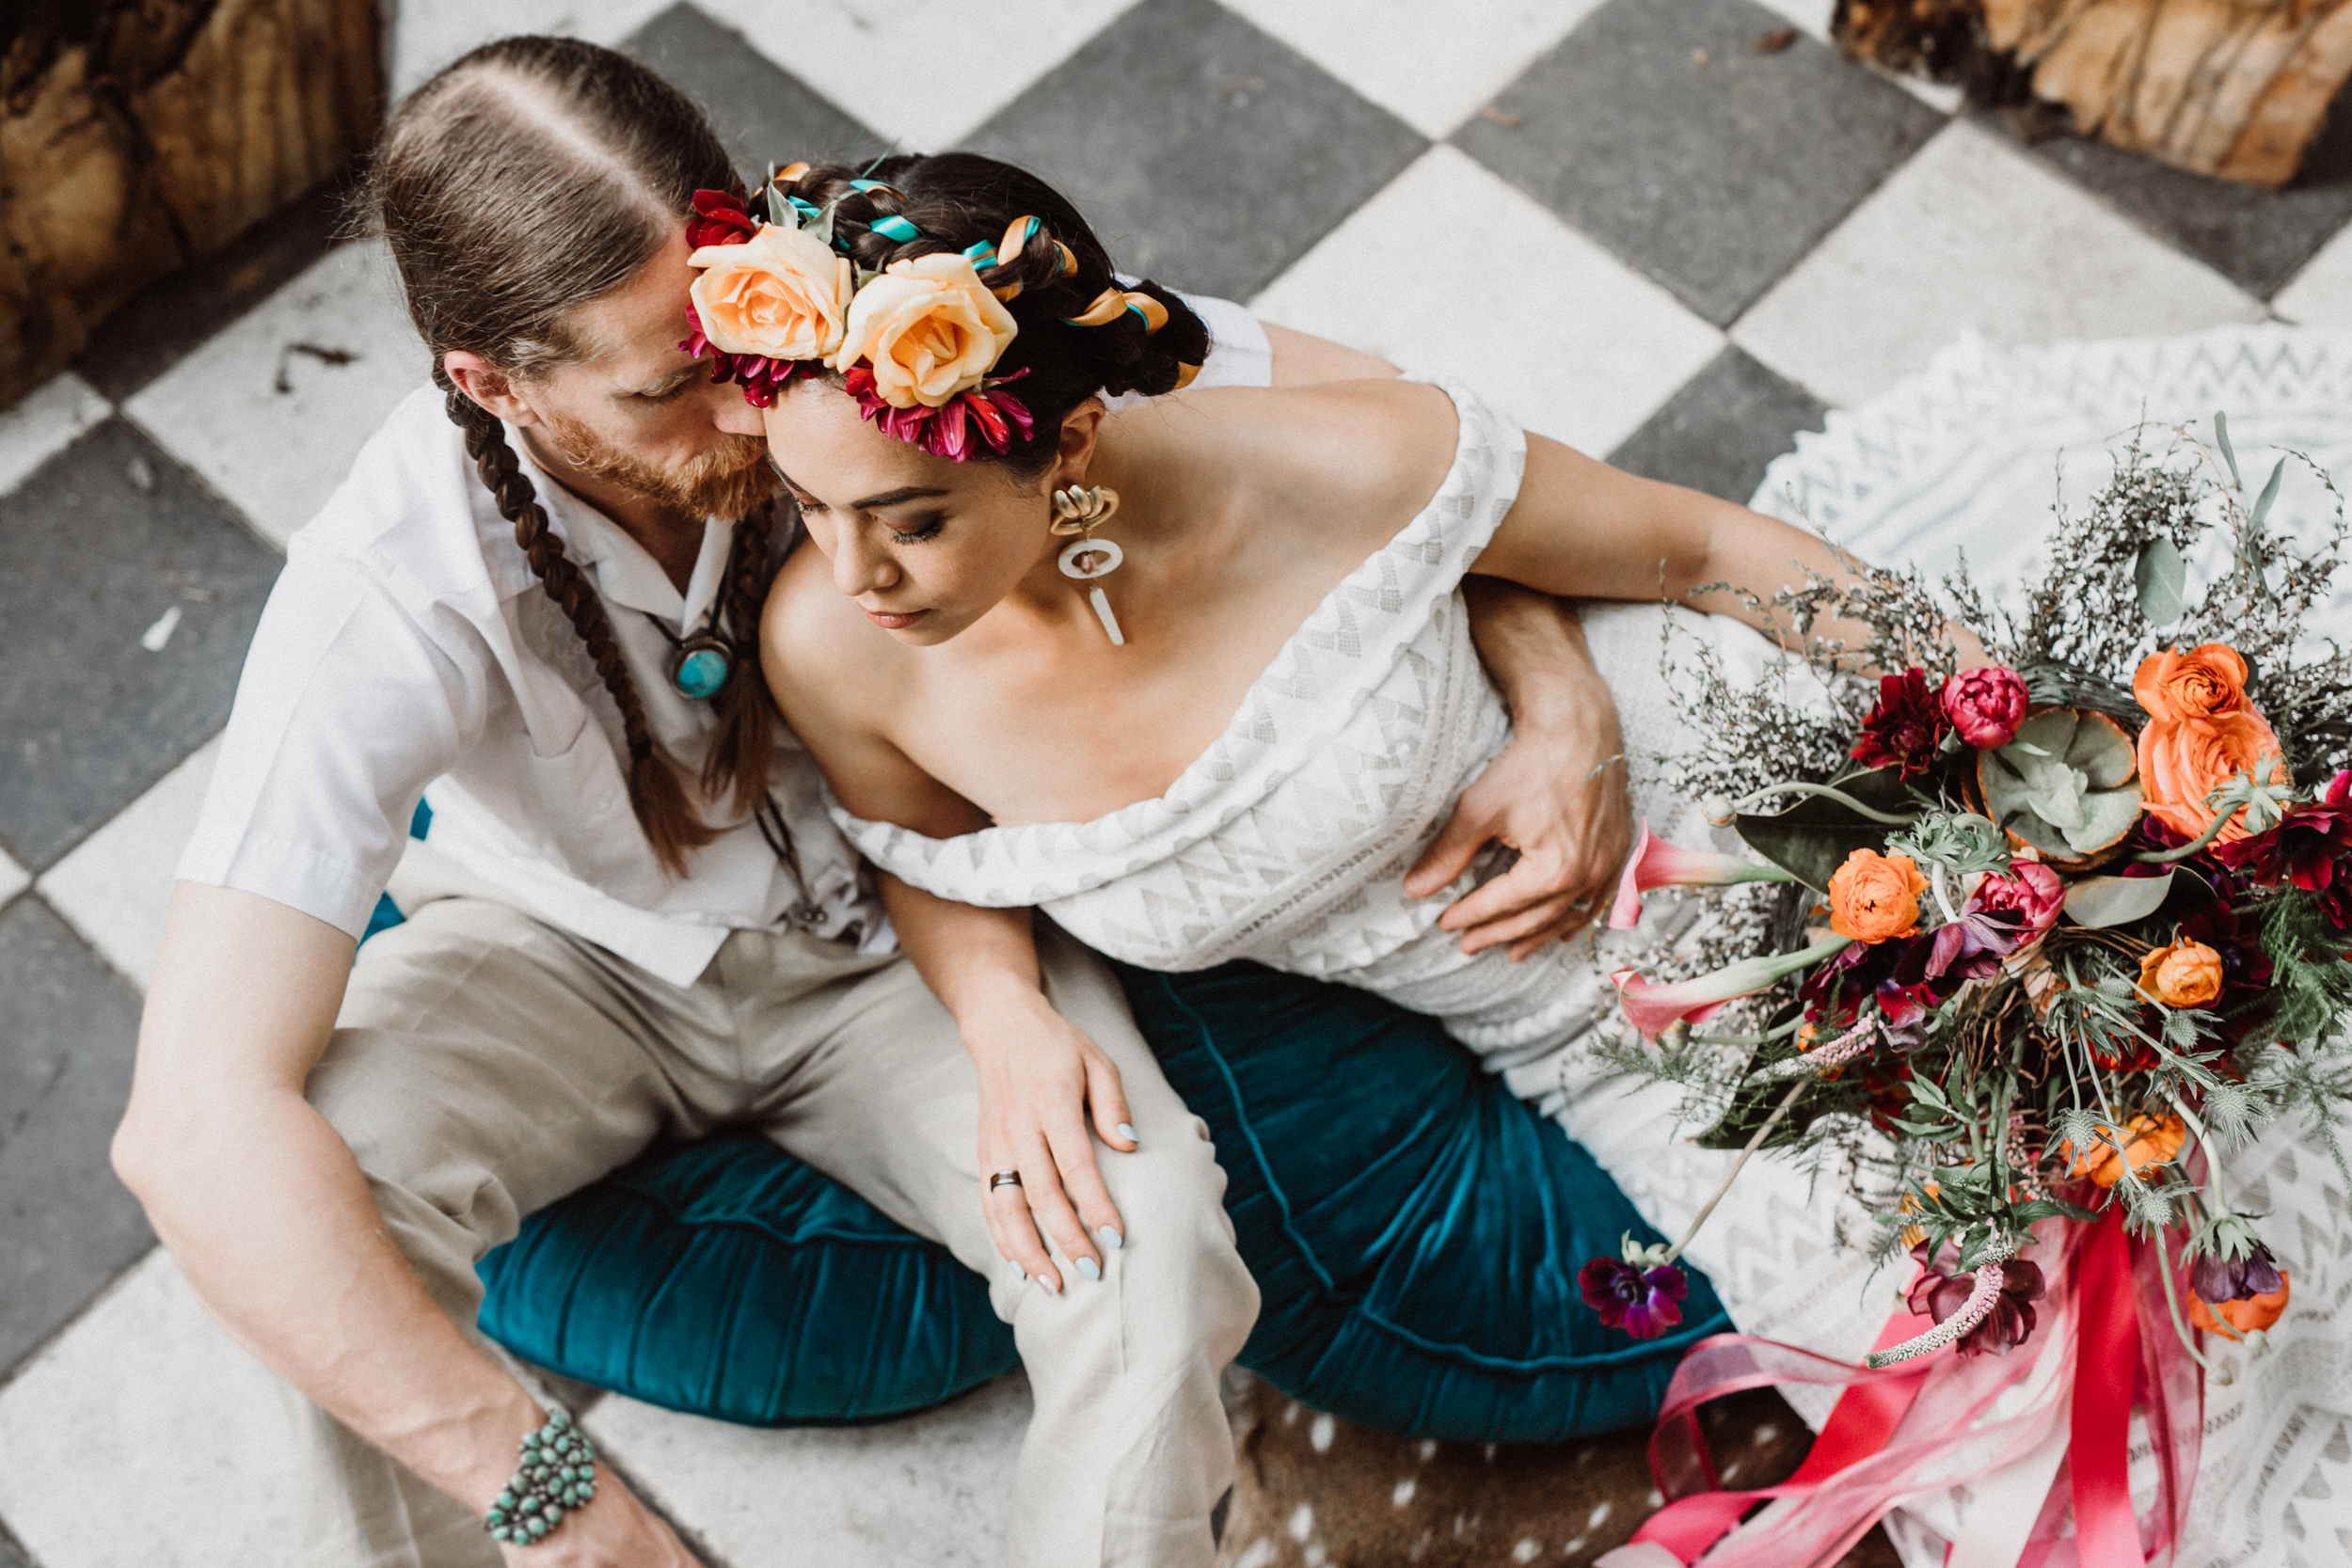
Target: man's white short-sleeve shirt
409,652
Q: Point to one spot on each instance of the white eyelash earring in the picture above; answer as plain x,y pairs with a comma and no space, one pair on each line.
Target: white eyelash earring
1087,559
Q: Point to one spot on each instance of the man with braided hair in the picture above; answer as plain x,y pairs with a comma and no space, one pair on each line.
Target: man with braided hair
537,596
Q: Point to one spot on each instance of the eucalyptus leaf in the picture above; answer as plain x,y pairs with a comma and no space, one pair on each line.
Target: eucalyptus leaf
2228,454
2270,493
2162,578
2103,901
1811,839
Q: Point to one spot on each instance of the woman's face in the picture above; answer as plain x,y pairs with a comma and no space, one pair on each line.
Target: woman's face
925,546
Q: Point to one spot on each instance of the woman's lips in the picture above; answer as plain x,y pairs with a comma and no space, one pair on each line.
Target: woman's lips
889,622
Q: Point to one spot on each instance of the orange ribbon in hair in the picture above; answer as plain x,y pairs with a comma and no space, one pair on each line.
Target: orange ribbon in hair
1111,302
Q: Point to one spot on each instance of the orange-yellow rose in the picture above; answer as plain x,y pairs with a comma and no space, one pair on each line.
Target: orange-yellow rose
2146,1142
2204,683
2182,761
2184,974
2248,1315
928,330
1875,898
781,293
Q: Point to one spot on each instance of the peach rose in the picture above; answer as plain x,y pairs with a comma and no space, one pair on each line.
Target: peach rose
1875,898
2146,1142
2184,974
781,293
2203,683
928,328
2182,761
2250,1315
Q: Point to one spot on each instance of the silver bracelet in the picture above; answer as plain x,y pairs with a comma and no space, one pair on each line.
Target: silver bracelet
556,1476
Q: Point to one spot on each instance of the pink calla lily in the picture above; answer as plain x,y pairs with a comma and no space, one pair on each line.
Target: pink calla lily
1653,1008
1659,863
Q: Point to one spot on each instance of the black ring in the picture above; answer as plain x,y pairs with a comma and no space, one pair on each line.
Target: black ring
1004,1178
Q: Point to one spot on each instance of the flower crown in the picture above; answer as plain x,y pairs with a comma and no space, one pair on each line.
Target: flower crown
915,342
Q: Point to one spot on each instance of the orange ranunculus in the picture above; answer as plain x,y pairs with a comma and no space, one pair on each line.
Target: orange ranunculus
2184,974
781,293
2183,761
2248,1316
2208,682
1875,898
928,330
2146,1142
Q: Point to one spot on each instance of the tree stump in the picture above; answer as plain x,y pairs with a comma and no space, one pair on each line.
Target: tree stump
2235,89
138,135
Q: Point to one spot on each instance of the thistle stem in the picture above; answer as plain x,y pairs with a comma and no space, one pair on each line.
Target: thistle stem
1826,793
2172,1305
2212,1155
1732,1175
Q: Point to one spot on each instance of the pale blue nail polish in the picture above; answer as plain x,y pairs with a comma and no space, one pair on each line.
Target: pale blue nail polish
1112,1240
1089,1269
1127,1131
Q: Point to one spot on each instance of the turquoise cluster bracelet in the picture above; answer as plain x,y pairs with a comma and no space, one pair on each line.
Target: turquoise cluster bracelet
558,1474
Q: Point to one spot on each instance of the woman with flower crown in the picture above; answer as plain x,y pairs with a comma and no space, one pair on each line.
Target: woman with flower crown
1194,676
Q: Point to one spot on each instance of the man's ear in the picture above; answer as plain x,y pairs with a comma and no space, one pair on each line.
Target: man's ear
488,386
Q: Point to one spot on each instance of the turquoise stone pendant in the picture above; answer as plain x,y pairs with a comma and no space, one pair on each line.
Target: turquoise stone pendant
701,668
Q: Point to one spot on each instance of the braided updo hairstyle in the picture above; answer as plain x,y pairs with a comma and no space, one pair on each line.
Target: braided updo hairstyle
529,178
956,200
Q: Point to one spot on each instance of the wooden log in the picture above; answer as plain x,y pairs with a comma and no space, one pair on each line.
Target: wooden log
2234,88
135,137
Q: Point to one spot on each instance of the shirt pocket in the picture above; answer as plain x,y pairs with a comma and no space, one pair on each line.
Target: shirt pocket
579,799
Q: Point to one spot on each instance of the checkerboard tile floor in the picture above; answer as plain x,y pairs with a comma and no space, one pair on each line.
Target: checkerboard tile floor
1635,222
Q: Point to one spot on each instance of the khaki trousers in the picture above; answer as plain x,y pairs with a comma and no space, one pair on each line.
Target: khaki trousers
488,1063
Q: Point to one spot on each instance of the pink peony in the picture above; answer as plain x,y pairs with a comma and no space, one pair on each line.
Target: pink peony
1985,705
2031,891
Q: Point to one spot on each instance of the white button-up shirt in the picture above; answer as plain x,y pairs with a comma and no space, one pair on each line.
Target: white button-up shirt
408,651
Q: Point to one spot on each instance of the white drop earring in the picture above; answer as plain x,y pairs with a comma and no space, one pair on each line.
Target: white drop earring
1087,559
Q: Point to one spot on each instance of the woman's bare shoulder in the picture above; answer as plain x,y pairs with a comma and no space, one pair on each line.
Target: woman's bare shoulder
1366,453
824,661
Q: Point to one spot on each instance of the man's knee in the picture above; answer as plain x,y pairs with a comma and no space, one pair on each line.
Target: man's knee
1180,1274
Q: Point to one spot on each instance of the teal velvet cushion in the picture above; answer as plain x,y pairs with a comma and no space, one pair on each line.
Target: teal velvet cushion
1415,1228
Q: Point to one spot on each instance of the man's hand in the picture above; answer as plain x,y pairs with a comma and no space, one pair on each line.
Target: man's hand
1040,1076
1556,794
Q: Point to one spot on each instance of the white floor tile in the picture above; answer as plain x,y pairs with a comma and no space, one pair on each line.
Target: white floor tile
2321,295
427,35
1433,77
115,886
14,878
1972,233
144,1437
268,423
43,423
924,73
934,1489
1552,328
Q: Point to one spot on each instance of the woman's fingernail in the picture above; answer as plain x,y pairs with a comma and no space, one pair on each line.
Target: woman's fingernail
1127,1131
1111,1238
1046,1285
1090,1269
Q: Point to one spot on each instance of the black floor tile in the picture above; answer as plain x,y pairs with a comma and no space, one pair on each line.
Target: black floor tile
764,114
174,314
2256,238
1721,429
67,1026
12,1555
1661,132
101,542
1206,154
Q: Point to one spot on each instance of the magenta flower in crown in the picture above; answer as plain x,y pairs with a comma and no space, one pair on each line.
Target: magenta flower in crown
760,377
1644,1301
1906,729
1985,705
986,414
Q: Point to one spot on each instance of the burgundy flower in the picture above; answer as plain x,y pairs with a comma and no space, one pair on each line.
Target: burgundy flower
1643,1302
1906,728
720,218
1985,705
985,414
1894,974
2002,916
2303,847
1939,1292
2219,1279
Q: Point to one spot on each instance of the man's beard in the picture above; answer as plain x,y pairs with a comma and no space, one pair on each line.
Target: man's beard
727,481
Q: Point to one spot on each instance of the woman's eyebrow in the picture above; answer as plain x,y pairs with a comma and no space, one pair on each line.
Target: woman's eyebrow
893,497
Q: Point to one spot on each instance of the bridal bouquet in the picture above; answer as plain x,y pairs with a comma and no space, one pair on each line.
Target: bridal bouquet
2030,944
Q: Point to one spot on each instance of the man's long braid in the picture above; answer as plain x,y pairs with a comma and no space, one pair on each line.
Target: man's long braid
737,763
654,787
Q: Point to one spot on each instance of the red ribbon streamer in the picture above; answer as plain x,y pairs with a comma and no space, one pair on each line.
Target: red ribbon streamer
2106,1363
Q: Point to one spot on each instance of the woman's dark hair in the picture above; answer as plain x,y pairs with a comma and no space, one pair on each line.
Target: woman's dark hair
956,200
531,177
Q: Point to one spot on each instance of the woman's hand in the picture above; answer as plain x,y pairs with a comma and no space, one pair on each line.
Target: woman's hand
1042,1079
612,1530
